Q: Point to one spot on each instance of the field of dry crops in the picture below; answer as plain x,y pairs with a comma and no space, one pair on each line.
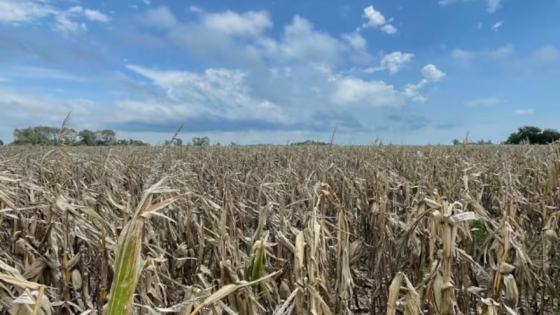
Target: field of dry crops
280,230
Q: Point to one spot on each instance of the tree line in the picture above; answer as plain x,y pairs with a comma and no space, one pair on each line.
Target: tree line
49,136
52,136
525,134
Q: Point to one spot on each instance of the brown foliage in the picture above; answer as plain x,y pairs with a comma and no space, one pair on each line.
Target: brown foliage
285,230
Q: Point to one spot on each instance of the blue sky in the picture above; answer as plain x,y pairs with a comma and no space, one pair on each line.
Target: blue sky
406,71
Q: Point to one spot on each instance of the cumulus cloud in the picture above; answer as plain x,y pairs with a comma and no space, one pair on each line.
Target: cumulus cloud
355,40
374,17
65,21
95,15
65,25
375,20
302,42
160,17
251,23
299,78
283,79
393,62
497,25
353,91
45,110
491,5
221,92
17,11
389,29
432,73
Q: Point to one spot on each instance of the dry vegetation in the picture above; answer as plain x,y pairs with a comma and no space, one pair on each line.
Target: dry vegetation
280,230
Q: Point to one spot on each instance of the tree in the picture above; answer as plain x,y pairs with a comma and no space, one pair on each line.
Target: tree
533,135
200,142
1,143
88,137
177,142
47,136
310,142
39,135
106,137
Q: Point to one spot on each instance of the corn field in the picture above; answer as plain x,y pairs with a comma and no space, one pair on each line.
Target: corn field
280,230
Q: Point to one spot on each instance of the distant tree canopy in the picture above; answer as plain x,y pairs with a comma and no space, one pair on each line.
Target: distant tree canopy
533,135
45,135
196,141
310,142
479,142
1,143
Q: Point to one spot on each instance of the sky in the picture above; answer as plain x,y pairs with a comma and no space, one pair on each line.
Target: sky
261,71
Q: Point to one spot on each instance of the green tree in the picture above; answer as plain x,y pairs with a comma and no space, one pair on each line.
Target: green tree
1,142
533,135
106,137
88,137
39,135
200,141
177,142
310,142
45,135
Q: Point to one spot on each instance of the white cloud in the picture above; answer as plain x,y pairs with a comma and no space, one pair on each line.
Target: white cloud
67,27
239,38
220,92
493,5
65,21
251,23
16,11
302,42
487,101
284,78
355,40
44,109
146,2
432,73
497,25
396,61
94,15
375,19
161,17
389,29
393,62
353,91
412,91
523,112
479,26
